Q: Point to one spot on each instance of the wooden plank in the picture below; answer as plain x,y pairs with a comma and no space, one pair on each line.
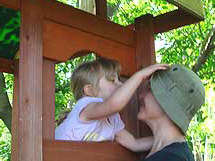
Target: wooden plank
89,23
48,99
82,151
29,146
6,65
101,8
173,20
60,39
13,4
15,115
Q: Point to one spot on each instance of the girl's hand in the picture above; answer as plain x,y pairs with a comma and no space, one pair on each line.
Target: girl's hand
148,71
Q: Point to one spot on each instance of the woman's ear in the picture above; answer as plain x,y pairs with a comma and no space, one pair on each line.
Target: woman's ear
88,90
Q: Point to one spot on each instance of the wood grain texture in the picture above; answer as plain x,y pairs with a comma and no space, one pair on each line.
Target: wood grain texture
29,146
87,22
15,115
145,45
62,43
85,151
48,99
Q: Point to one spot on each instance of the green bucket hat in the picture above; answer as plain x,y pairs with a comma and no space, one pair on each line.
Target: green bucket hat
179,92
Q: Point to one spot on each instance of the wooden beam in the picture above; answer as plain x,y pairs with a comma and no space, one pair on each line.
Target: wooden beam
86,22
6,65
173,20
82,151
13,4
48,99
101,8
29,142
60,39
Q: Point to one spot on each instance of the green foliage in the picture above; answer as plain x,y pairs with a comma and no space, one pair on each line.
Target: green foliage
9,32
5,142
9,85
128,10
201,131
184,45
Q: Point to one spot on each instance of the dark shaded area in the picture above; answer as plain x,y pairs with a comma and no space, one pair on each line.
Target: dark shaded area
9,32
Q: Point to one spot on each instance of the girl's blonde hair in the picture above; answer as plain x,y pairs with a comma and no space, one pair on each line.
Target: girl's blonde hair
91,72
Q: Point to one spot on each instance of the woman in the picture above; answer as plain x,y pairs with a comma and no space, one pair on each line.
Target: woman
167,106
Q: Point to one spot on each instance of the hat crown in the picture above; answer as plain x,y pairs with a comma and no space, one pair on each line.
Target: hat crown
185,90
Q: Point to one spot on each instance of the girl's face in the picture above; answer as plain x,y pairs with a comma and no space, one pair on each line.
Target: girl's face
149,106
108,86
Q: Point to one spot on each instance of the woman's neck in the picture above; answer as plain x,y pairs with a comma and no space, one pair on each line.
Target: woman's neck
165,133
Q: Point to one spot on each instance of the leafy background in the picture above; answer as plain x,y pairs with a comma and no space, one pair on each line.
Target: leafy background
185,45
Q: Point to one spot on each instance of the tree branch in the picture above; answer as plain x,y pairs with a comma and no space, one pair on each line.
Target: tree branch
207,48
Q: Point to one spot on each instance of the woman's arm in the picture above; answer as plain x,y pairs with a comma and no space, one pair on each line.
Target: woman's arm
127,140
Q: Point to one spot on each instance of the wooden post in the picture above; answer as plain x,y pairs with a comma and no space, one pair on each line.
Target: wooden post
145,54
48,99
15,115
101,8
28,143
145,46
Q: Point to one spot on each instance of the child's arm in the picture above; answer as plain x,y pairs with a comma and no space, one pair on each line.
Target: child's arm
127,140
117,101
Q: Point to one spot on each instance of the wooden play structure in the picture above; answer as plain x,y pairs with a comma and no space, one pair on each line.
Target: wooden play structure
52,32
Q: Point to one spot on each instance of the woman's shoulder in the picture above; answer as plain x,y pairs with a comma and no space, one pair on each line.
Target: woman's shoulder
178,151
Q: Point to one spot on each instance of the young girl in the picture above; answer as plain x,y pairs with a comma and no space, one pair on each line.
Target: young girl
101,95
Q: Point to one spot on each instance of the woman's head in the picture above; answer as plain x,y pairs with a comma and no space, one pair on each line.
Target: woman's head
89,74
179,92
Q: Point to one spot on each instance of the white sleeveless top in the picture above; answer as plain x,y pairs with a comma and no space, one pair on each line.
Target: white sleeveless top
72,128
